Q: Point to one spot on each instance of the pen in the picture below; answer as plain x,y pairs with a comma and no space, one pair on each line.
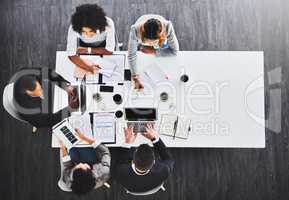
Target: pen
98,66
175,127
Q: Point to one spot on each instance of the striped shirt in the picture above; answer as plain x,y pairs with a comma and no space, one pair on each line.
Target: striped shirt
170,48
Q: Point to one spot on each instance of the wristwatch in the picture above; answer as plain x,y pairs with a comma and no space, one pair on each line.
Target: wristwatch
89,50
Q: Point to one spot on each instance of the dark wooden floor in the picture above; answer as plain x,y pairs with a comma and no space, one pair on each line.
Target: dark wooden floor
32,30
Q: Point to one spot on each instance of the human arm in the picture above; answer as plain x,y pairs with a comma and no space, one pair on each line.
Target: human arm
102,169
132,49
159,146
67,164
86,139
172,42
73,50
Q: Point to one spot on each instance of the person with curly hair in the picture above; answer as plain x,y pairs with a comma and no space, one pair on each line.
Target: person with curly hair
151,34
91,31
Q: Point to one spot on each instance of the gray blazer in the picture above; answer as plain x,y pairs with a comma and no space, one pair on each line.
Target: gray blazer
135,40
100,170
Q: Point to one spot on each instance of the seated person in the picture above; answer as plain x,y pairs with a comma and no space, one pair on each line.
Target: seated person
33,98
85,168
138,170
152,34
91,31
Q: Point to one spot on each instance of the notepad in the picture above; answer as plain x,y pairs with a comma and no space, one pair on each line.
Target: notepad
104,127
175,126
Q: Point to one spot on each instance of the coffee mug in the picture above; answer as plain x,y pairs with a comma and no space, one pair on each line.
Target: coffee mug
117,98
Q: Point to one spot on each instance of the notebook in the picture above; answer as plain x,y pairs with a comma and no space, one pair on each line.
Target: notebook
104,127
107,67
175,126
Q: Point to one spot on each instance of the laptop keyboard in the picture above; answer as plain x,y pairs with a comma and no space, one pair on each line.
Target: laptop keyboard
68,134
139,127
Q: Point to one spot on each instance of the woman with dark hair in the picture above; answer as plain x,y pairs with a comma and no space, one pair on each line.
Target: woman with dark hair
152,34
85,168
91,31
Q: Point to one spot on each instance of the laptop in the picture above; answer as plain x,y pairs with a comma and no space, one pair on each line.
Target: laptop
140,117
64,132
81,93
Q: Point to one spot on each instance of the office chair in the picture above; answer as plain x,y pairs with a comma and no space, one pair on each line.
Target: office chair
61,183
154,190
9,106
118,45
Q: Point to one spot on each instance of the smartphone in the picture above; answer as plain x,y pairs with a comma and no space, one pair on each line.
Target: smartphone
127,75
104,88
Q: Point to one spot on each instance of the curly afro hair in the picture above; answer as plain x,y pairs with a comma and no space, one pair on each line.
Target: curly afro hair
89,15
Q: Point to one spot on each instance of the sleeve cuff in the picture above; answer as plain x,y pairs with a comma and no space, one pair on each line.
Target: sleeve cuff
156,139
111,49
71,53
95,144
66,158
125,145
158,52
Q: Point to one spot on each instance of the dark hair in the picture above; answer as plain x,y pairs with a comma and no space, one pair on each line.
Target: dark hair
144,157
27,82
83,181
152,28
89,15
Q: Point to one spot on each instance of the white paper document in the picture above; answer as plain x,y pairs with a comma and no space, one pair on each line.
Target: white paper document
60,100
104,127
107,67
155,74
83,123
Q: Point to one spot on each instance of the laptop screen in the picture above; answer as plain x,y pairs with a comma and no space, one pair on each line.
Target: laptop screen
140,114
83,95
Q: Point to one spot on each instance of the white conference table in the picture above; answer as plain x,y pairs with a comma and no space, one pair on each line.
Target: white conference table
224,96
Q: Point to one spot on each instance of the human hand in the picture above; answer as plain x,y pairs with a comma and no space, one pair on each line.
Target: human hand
83,137
137,84
70,90
73,100
63,148
148,50
61,144
80,134
129,135
94,68
150,132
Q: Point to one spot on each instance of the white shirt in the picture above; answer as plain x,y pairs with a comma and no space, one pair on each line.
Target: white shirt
107,35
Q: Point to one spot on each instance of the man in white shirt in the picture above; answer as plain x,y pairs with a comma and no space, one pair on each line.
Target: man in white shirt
91,31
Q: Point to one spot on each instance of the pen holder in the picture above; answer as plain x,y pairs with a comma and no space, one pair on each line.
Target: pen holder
164,96
184,78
